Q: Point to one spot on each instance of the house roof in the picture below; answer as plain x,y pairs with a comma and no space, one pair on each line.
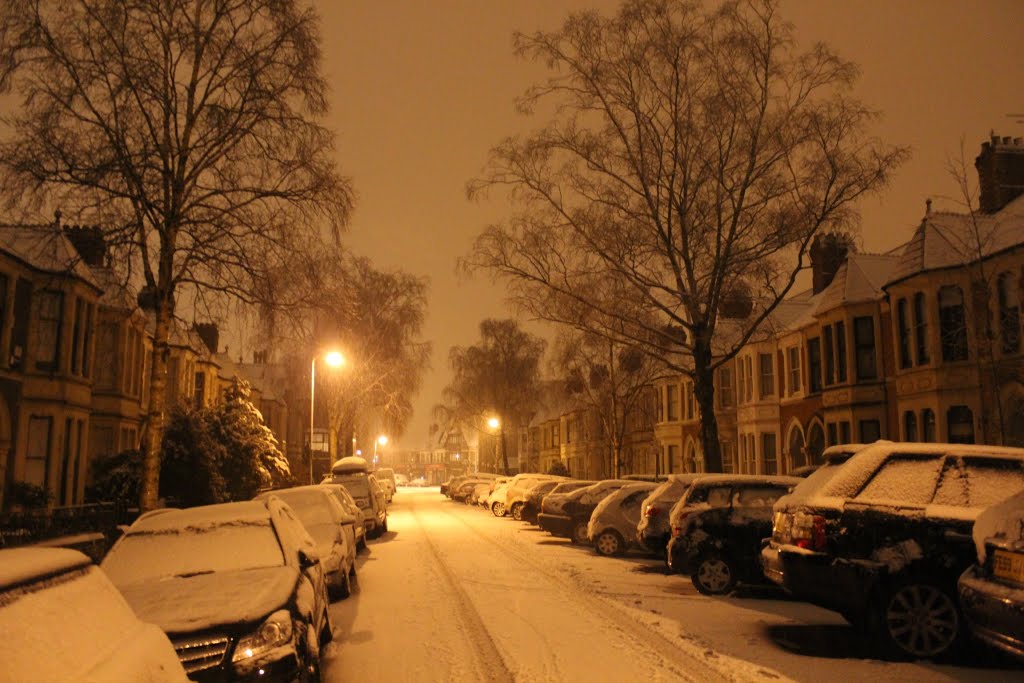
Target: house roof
859,279
947,240
45,248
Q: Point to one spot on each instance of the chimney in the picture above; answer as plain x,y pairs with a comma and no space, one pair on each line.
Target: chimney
828,253
1000,172
88,241
209,333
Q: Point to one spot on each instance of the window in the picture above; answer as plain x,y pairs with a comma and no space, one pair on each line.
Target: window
768,453
908,479
1009,312
840,351
672,403
833,436
37,455
920,329
688,400
77,325
767,372
748,366
952,324
960,421
903,328
20,318
725,387
870,431
814,364
830,357
90,312
794,369
673,457
909,426
928,425
759,496
727,456
864,347
797,454
815,444
200,390
844,432
48,330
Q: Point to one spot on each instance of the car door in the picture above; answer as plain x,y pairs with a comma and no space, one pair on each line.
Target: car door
312,573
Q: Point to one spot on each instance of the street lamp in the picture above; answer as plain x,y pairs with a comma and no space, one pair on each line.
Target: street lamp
335,360
495,424
383,441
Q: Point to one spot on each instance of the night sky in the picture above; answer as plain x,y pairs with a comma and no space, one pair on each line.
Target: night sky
422,90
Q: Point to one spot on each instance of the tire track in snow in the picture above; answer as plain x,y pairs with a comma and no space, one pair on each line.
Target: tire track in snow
492,664
687,664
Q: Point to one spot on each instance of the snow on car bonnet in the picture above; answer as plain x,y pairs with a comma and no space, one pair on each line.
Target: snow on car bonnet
1003,523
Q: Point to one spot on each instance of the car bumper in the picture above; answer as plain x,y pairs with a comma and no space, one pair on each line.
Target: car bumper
995,614
557,525
657,544
678,557
819,578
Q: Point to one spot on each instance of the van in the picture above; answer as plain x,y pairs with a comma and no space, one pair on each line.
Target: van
386,477
354,474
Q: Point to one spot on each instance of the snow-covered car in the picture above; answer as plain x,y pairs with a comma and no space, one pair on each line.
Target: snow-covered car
462,491
612,524
479,495
519,490
992,591
332,529
348,503
449,487
401,479
61,619
653,530
559,489
353,473
718,526
573,515
883,538
237,587
495,501
386,478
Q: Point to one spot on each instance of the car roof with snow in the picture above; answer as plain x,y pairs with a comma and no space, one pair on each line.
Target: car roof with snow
350,463
22,565
721,479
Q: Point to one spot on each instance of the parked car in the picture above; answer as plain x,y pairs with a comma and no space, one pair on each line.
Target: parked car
331,528
889,532
612,525
386,478
571,520
350,506
555,487
63,620
480,494
353,473
519,490
462,491
653,530
717,528
238,588
992,591
495,501
401,479
448,487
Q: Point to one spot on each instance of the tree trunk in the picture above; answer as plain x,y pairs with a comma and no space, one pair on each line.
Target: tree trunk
501,447
704,391
149,492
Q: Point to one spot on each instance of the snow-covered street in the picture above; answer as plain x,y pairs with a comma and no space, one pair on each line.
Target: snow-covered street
452,593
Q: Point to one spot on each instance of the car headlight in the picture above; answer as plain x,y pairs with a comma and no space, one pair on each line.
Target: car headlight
272,633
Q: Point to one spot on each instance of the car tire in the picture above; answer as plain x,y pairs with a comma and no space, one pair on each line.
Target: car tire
714,574
517,512
579,533
498,509
609,543
344,587
919,617
384,527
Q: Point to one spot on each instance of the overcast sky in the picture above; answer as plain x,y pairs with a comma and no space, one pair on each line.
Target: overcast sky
423,88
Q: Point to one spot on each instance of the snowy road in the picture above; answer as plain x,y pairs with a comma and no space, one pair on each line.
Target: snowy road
452,593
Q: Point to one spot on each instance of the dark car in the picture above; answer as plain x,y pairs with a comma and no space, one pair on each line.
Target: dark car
992,591
571,520
717,528
557,487
653,530
237,587
354,474
883,538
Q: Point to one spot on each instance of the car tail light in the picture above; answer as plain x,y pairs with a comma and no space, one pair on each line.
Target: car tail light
652,512
808,531
677,525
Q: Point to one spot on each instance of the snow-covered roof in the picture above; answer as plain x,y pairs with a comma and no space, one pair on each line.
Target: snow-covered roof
45,248
20,565
1002,523
948,240
172,519
746,479
859,279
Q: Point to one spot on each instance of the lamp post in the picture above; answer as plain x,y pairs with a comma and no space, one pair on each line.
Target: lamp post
383,441
495,424
333,359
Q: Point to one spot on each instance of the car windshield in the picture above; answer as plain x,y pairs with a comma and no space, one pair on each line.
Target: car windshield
143,556
357,483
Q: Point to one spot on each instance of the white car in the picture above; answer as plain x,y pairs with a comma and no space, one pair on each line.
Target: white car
519,490
63,620
496,499
331,528
612,526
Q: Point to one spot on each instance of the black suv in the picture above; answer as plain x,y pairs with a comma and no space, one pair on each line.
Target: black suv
717,528
883,538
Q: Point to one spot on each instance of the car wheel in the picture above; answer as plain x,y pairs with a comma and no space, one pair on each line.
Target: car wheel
609,543
326,631
714,575
919,618
517,512
579,533
344,587
384,528
498,509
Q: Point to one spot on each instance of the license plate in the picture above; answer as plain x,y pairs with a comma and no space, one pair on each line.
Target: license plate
1008,565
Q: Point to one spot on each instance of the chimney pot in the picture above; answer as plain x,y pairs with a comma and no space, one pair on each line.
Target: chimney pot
1000,173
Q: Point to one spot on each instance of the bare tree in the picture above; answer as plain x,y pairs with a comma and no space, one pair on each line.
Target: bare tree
190,128
610,379
691,158
499,376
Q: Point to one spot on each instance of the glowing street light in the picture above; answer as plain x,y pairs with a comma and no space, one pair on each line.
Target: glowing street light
493,422
383,441
333,359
